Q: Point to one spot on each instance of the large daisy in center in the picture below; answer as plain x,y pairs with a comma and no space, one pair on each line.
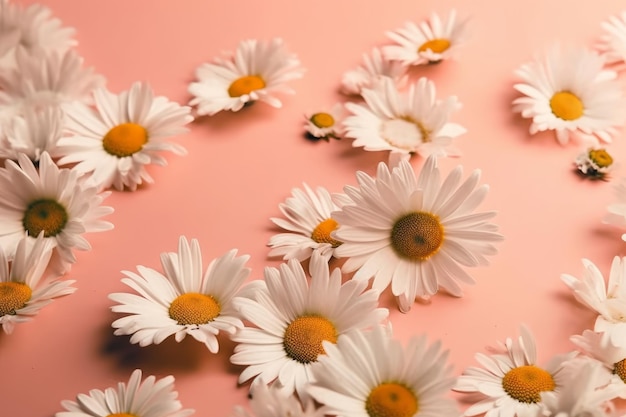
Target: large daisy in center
413,232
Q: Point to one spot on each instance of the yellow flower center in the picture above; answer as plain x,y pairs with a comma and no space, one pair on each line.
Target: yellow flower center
417,236
566,105
600,157
304,336
121,415
391,399
323,120
194,308
524,383
321,233
47,215
435,45
13,296
619,369
125,139
245,85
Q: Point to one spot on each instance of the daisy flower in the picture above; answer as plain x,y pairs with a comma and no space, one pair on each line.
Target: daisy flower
23,292
594,163
599,347
273,402
122,135
370,374
150,397
294,317
308,224
609,301
374,68
429,42
411,122
511,381
617,210
182,301
257,71
413,232
50,200
587,104
325,125
612,43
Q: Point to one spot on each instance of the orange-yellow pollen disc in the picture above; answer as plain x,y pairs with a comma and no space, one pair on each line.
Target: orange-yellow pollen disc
323,120
566,105
121,415
436,45
304,336
194,308
391,399
601,158
13,296
524,383
321,233
417,236
125,139
619,369
44,215
245,85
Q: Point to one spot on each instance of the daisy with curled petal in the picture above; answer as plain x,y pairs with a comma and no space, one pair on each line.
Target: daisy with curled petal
594,163
511,381
612,43
411,122
608,300
124,133
599,347
294,317
617,210
257,71
429,42
273,402
150,397
325,125
413,233
587,104
51,200
374,68
182,301
23,292
370,374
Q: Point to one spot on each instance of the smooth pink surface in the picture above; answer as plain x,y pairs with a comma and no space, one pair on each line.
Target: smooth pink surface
241,165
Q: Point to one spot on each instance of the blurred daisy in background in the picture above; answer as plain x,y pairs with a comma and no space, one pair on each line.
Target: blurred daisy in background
150,397
114,142
293,318
599,347
325,125
510,380
428,42
594,163
374,68
370,374
257,71
182,300
612,44
617,210
414,233
25,287
587,104
273,402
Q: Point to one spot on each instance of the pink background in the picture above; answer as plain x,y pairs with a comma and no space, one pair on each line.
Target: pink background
241,165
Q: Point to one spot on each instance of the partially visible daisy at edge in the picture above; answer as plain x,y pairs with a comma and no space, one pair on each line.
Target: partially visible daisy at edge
183,300
325,124
372,70
149,397
271,401
616,215
599,348
291,318
25,287
511,381
595,163
585,105
612,43
114,142
429,42
404,122
257,71
371,374
414,233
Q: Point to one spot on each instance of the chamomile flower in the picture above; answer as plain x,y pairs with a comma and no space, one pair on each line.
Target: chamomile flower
511,381
586,104
374,68
594,163
612,43
370,374
617,211
257,71
125,132
308,224
182,300
150,397
23,292
271,401
294,317
599,347
414,233
51,200
429,42
325,125
411,122
607,299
